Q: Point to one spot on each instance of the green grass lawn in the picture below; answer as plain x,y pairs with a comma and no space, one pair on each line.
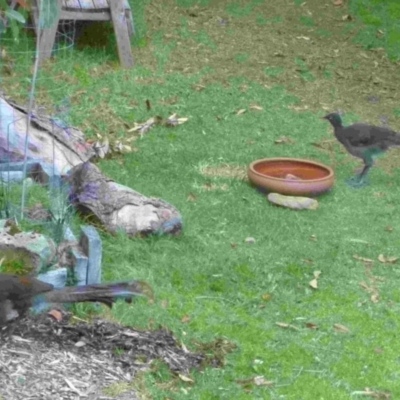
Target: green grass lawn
342,337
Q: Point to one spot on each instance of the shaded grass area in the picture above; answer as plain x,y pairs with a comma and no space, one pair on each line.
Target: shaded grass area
381,26
293,61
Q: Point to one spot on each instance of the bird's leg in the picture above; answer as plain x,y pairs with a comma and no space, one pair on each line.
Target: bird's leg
360,180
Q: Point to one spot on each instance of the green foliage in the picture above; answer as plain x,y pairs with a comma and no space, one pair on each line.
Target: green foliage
383,15
15,262
12,19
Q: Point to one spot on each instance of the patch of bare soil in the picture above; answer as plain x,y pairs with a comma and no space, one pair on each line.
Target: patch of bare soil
307,48
42,359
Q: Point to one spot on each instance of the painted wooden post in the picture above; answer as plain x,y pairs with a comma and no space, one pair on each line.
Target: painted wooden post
120,24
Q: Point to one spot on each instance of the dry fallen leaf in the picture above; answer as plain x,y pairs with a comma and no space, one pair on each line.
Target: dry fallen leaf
363,259
347,17
375,297
55,314
283,139
316,274
240,112
313,284
172,120
191,197
261,381
143,127
341,328
338,3
285,325
364,286
311,325
255,107
375,394
185,318
101,148
185,378
387,260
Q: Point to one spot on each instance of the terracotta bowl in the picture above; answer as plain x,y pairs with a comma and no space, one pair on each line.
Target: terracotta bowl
291,176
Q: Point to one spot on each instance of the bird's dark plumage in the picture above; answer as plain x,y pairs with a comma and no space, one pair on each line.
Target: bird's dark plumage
363,141
17,294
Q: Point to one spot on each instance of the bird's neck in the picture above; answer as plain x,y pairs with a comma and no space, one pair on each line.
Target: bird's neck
337,124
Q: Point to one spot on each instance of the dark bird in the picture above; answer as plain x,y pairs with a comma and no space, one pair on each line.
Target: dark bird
17,294
363,141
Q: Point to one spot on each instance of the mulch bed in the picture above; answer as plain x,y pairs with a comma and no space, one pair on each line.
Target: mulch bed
41,358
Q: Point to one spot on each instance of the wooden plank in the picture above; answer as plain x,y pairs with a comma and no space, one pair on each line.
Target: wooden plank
86,4
72,4
101,4
86,15
121,32
48,35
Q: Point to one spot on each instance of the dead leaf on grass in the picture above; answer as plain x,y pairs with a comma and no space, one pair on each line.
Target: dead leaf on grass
101,148
240,111
191,197
364,286
185,318
386,259
376,394
313,284
311,325
283,140
374,297
341,328
261,381
185,378
213,186
172,120
285,325
338,3
363,259
255,107
143,127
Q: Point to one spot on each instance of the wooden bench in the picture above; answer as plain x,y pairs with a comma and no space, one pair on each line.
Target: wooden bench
117,11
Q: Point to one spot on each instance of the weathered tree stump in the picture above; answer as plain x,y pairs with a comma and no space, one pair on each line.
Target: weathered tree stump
117,206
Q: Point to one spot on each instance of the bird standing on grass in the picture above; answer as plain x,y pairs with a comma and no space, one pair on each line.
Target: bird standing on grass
363,141
18,292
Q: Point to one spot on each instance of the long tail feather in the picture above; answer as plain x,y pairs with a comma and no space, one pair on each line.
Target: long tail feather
105,293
